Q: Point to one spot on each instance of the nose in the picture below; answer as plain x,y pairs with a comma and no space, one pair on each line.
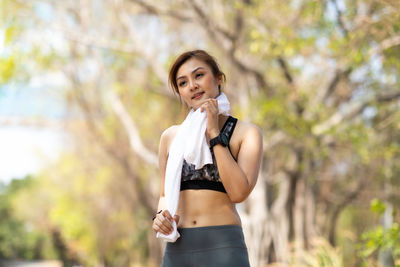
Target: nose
192,84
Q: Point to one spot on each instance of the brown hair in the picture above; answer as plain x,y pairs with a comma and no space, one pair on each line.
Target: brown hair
200,55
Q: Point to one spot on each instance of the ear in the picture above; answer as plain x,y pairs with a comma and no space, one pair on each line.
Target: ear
219,79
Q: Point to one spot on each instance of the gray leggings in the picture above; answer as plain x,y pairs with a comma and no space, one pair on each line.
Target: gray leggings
210,246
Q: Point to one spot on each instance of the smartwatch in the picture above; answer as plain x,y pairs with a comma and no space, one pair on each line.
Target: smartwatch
221,139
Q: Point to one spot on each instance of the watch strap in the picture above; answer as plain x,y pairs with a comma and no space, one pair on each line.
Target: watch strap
215,141
221,139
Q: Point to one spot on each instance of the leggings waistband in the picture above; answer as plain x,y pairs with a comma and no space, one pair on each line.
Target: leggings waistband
208,237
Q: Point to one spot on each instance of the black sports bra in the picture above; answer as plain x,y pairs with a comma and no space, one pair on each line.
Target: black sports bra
208,176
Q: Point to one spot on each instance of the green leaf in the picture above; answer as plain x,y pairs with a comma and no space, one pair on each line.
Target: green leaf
378,206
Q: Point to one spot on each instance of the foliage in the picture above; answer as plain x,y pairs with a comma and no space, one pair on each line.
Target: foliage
381,238
320,78
20,239
321,254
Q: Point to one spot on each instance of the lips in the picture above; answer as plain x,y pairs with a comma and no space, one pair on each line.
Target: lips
197,95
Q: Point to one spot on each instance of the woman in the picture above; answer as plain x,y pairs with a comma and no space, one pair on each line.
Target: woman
208,223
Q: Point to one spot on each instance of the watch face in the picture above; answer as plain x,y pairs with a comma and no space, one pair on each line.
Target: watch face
224,139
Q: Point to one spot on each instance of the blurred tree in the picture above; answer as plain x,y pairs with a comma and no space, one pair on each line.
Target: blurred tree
19,238
320,78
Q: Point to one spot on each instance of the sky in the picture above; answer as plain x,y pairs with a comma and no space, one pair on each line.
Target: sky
27,149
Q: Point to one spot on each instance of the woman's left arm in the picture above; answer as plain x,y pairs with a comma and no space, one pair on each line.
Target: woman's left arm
239,177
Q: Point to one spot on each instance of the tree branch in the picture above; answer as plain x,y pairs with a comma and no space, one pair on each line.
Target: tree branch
142,196
354,110
285,69
145,53
134,137
335,81
385,44
339,208
209,23
261,82
339,17
155,10
216,33
277,138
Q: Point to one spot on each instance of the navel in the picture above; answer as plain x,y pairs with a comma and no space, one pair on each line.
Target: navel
194,222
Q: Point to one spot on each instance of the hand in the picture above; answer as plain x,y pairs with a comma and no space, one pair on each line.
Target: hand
163,222
211,107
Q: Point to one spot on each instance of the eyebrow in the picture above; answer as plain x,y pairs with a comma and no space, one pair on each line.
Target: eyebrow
193,71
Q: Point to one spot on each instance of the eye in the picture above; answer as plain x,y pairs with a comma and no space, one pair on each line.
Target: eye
199,75
182,83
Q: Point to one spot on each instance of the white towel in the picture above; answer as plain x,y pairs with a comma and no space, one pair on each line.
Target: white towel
190,144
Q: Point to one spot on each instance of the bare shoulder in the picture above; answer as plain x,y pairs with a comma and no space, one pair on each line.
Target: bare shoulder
170,132
167,136
248,130
246,137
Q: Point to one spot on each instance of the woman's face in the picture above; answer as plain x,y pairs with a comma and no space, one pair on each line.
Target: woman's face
196,82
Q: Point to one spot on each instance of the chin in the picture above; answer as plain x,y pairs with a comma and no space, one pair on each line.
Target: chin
195,107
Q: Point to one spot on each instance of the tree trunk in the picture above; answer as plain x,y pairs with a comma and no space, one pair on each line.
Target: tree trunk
385,256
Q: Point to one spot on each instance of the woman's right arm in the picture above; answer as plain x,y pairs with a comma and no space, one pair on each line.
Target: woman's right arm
162,221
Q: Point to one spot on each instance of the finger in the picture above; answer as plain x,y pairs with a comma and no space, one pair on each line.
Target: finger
163,231
205,101
167,223
158,227
212,108
212,103
164,226
209,107
203,106
155,227
215,104
167,215
211,111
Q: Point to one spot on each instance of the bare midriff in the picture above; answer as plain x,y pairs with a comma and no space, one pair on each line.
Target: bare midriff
199,208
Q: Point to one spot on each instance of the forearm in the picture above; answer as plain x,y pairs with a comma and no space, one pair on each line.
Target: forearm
233,178
161,203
